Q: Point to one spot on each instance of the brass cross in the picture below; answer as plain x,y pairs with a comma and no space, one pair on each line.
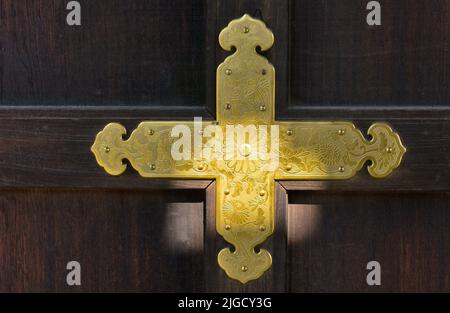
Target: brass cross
245,186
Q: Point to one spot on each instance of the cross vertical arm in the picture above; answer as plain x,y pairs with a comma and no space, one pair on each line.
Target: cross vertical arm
245,218
245,190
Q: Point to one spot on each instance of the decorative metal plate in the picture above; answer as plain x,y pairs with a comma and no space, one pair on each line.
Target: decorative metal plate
245,187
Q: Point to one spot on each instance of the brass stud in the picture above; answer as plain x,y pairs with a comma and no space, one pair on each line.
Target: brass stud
262,108
262,228
246,30
228,71
341,132
244,268
288,167
227,227
107,149
151,132
227,192
289,132
153,167
228,106
262,193
200,167
389,150
341,169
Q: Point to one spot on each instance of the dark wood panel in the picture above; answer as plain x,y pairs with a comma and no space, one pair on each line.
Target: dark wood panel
51,152
135,52
125,240
357,113
336,59
332,236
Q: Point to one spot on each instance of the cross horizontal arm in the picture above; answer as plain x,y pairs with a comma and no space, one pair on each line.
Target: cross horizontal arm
149,150
336,150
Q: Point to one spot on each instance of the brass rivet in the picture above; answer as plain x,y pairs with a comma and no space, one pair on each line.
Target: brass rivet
200,167
289,132
262,108
389,150
341,132
264,72
153,167
228,106
288,167
341,169
244,268
228,71
227,227
151,132
227,191
246,30
262,193
107,149
262,228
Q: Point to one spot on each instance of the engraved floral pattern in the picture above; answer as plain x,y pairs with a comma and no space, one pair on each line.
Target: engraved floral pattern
235,212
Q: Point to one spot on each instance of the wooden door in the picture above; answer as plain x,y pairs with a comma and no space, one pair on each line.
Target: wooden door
139,60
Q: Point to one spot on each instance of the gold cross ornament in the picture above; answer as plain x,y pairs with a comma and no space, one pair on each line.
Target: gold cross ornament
245,184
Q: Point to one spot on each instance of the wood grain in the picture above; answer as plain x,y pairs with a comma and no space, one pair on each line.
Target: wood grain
125,241
118,56
336,59
333,235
